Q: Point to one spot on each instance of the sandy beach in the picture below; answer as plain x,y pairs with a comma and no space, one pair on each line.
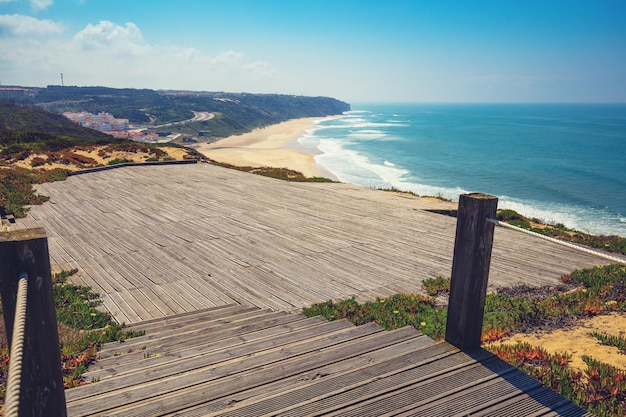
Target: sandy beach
271,146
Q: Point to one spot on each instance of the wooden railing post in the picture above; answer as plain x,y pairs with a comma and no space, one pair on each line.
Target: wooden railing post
470,270
26,251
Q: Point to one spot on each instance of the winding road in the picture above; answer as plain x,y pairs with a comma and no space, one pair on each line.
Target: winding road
198,116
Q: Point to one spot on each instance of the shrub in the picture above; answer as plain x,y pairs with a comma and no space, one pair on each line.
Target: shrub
436,286
76,308
616,244
610,340
118,161
16,190
391,313
38,161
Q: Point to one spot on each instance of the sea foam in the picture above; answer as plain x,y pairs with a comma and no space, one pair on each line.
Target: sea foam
558,163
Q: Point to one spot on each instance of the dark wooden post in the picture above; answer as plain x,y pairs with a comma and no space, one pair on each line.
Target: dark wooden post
470,270
26,251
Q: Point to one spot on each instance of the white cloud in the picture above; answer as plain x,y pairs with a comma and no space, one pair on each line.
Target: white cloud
34,4
227,58
108,34
41,4
20,25
261,68
116,55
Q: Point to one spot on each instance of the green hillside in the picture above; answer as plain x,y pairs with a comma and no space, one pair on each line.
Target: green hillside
30,127
233,112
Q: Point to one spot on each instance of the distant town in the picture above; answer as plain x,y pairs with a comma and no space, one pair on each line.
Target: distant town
120,128
17,92
102,121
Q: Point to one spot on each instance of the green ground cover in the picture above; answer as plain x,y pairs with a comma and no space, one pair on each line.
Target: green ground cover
82,328
601,388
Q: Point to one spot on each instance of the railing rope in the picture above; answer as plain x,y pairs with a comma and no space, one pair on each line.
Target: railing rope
41,392
557,241
17,349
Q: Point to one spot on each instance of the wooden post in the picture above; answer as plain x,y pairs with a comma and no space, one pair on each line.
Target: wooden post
42,392
470,270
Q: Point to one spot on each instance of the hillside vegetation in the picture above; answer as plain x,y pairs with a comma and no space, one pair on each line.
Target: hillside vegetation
234,113
25,128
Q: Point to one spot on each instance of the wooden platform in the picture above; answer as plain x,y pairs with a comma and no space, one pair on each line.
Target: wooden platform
245,361
157,241
213,264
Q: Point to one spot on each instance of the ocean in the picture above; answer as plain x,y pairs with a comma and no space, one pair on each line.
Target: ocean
561,163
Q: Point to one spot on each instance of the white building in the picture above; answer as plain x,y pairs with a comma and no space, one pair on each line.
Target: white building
102,121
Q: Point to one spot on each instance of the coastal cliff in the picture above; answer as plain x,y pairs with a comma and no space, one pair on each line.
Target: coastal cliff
232,113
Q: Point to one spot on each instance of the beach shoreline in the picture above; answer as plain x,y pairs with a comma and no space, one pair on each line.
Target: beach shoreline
273,146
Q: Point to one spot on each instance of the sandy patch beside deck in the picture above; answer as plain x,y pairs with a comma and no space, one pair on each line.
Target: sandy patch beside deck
578,342
102,159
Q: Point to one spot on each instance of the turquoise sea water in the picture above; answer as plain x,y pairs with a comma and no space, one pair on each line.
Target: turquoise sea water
562,163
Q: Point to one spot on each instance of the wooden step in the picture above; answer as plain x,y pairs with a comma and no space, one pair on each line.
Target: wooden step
216,327
192,346
173,322
206,350
328,380
175,395
270,349
236,361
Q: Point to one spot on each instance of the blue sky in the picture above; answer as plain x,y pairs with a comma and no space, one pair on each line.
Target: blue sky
354,50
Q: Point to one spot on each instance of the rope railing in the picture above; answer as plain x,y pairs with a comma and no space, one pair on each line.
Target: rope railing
17,349
24,256
558,241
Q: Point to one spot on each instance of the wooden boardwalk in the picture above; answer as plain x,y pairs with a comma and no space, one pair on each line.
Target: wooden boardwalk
213,264
243,361
157,241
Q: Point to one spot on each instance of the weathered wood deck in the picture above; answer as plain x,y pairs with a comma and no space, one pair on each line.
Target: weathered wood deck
210,262
242,361
157,241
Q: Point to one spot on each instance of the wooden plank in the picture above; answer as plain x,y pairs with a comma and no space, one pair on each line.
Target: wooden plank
161,381
168,299
302,396
178,320
122,303
144,267
153,304
93,276
464,402
172,400
195,344
114,309
419,393
118,280
179,297
204,300
205,285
